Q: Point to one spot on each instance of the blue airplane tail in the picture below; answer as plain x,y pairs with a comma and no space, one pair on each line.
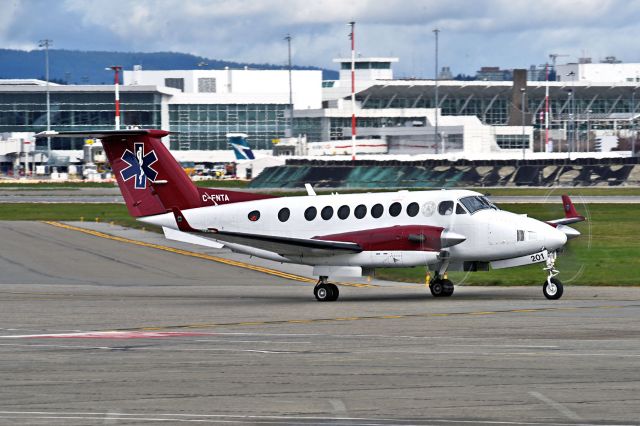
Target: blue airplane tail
238,142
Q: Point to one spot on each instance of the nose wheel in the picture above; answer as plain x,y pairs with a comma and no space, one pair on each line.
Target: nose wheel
552,287
325,291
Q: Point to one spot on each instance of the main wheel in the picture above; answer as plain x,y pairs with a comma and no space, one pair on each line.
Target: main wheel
553,290
334,292
323,292
447,288
436,288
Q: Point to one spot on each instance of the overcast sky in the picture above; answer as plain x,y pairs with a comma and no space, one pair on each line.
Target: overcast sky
506,33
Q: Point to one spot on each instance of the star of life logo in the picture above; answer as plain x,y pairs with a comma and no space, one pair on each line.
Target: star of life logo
139,165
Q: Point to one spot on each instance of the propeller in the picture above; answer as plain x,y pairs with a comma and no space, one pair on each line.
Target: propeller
571,261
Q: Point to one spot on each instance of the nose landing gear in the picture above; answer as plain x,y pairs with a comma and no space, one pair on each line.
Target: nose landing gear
552,287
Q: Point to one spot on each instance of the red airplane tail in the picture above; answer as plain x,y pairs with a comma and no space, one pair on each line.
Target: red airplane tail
150,179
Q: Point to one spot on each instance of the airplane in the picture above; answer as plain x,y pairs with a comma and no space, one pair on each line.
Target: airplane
240,146
340,235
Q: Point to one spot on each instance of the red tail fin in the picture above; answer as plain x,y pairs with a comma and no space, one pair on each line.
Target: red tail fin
144,168
570,211
150,179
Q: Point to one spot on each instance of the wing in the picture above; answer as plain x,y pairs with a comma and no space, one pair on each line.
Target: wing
284,246
287,246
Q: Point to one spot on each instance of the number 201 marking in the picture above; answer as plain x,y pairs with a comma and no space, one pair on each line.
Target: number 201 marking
537,257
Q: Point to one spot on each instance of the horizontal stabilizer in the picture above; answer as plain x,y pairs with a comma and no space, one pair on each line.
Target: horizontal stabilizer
570,213
184,237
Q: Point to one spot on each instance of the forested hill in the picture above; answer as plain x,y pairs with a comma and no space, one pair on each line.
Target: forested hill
79,67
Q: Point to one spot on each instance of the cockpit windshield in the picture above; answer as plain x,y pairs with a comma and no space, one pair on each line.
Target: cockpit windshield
477,202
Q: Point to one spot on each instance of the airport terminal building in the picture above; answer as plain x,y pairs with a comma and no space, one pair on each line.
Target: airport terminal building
202,106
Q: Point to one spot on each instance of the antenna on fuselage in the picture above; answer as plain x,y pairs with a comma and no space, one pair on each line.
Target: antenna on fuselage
309,189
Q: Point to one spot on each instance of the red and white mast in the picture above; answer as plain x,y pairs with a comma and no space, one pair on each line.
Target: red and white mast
116,69
353,90
546,108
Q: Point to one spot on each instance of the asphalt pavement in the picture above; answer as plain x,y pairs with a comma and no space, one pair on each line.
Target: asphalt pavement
97,330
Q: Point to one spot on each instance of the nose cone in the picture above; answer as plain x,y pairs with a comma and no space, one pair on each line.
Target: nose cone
554,239
450,239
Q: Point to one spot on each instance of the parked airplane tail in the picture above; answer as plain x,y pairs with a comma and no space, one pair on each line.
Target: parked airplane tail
240,146
150,179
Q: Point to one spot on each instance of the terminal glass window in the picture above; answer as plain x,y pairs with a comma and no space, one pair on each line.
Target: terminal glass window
205,126
207,85
512,141
176,83
76,111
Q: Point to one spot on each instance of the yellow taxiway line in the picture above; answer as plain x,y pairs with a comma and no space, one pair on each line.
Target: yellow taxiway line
217,259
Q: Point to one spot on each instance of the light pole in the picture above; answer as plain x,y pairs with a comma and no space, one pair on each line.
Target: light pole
290,130
523,93
352,35
46,43
633,121
116,69
572,107
437,134
588,147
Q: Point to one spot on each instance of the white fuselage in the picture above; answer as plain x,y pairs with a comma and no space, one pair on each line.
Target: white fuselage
491,234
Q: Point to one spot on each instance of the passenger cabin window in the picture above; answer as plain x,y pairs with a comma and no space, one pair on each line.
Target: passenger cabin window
460,209
395,209
413,209
343,212
445,208
360,211
377,210
254,216
327,213
520,236
283,214
477,202
310,213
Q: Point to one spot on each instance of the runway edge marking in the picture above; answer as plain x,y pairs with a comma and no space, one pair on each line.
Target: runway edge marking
217,259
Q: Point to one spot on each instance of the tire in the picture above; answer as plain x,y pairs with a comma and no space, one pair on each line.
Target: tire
323,292
436,288
335,293
447,288
554,291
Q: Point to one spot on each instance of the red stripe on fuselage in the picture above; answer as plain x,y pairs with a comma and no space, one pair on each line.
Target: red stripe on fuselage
423,238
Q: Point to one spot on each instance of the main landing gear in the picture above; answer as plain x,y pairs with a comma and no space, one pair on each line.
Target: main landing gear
441,287
552,287
326,291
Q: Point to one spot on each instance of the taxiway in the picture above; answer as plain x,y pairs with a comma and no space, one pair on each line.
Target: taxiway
96,330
